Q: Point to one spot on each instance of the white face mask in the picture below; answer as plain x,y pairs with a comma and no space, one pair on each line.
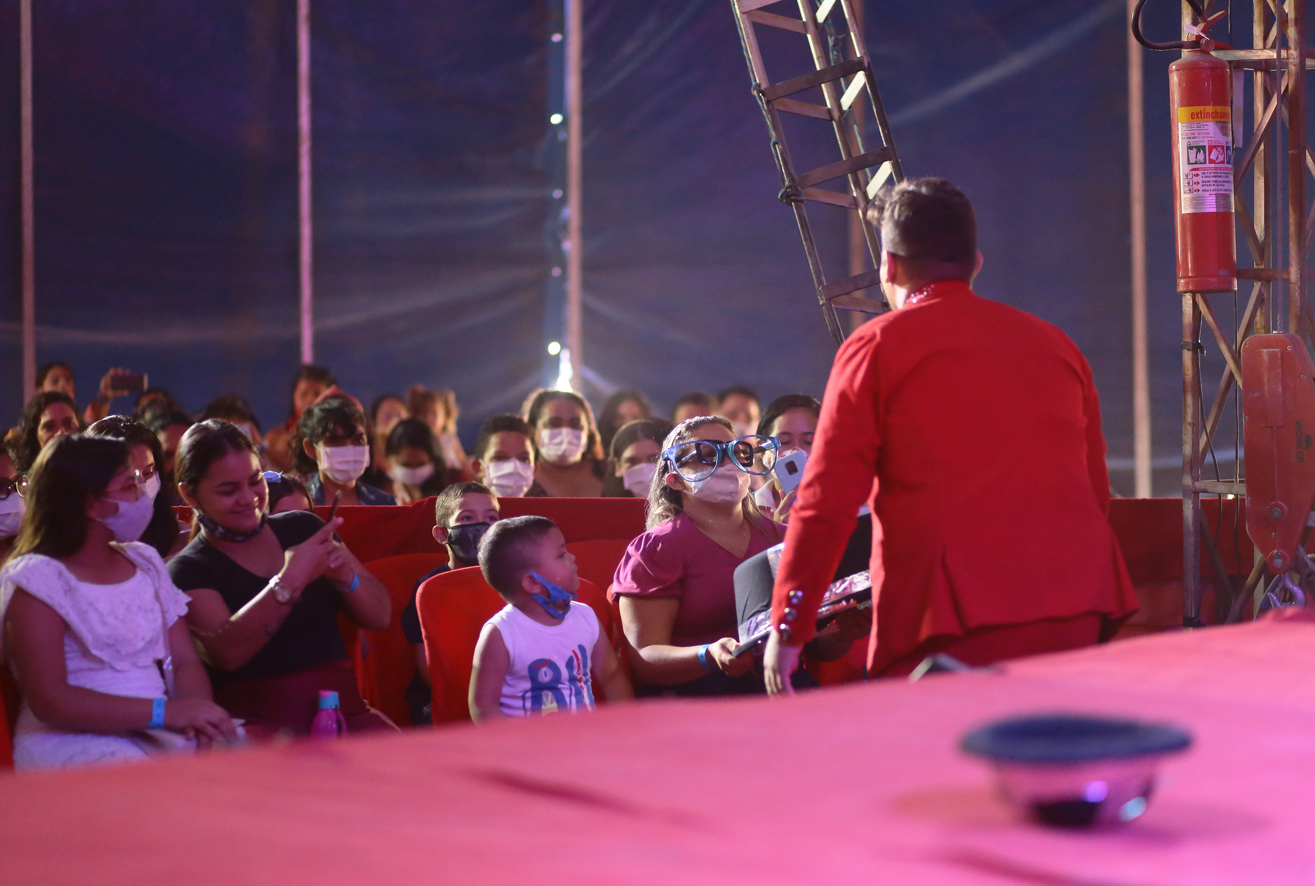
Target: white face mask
344,465
723,486
561,446
11,514
131,519
742,429
639,479
152,487
411,476
509,478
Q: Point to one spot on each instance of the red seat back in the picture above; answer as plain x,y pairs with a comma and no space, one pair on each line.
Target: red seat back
8,714
453,608
384,660
597,558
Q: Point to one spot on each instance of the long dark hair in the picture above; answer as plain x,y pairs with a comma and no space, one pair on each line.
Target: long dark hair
630,433
162,531
28,447
538,402
205,443
607,418
68,472
783,404
412,433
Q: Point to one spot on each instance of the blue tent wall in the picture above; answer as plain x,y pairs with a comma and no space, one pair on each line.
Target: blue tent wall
166,212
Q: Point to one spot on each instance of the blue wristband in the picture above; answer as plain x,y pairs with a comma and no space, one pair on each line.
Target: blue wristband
356,583
703,658
157,714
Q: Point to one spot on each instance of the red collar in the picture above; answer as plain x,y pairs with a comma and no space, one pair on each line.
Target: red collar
936,290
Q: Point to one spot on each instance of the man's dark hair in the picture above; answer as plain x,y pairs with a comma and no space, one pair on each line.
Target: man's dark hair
783,404
695,398
502,424
930,225
164,420
233,408
504,554
448,503
320,421
742,390
309,372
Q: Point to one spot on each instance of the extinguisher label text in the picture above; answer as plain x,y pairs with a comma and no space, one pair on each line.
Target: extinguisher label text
1205,158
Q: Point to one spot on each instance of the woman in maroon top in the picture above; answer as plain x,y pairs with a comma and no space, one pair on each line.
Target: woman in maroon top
675,584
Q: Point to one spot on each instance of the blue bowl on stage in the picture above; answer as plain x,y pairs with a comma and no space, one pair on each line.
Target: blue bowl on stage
1073,770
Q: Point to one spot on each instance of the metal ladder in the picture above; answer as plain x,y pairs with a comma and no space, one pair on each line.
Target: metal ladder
839,59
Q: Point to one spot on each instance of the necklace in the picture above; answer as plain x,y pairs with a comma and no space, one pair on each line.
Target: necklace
214,530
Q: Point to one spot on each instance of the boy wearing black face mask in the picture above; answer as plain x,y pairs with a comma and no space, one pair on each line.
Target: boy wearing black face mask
463,512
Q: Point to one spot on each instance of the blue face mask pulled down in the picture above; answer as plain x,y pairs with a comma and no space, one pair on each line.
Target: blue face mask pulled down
557,602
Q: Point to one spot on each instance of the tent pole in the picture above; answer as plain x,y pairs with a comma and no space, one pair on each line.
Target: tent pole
1141,394
574,151
304,182
29,238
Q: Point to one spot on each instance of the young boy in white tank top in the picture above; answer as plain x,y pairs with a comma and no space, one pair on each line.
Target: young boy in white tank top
543,652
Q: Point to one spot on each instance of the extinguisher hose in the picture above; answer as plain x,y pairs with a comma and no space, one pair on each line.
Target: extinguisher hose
1172,44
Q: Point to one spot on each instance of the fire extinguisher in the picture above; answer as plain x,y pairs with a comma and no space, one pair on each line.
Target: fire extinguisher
1200,105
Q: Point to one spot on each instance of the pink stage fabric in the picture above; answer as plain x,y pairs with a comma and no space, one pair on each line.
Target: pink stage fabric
859,784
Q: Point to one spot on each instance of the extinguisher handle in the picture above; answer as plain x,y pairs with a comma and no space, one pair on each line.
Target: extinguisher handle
1172,44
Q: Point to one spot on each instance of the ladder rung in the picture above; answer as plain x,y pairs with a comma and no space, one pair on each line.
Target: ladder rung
864,305
865,280
813,78
835,198
824,10
880,179
772,20
803,109
750,5
842,167
852,92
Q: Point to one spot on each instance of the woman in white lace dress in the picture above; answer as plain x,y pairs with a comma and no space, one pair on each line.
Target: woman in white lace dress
89,615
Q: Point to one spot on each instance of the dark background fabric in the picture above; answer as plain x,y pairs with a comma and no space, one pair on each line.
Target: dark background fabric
166,195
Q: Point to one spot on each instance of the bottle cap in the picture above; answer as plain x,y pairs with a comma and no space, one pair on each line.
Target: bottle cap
328,700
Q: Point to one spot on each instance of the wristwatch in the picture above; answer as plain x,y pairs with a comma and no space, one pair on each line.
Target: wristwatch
281,593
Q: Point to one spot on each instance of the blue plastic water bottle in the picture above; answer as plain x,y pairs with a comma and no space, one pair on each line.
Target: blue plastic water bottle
328,722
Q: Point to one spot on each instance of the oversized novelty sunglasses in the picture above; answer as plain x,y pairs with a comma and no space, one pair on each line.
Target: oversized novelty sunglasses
697,459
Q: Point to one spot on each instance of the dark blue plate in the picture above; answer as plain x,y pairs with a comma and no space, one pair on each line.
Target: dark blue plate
1067,738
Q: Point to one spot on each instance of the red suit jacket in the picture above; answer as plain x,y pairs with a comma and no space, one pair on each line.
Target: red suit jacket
980,425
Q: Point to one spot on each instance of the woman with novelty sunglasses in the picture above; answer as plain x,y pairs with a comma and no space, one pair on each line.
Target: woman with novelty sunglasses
675,584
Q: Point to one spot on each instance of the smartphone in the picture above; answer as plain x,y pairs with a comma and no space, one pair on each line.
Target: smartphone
129,382
790,470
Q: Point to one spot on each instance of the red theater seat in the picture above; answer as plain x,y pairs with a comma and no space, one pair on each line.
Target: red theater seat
384,659
453,608
8,715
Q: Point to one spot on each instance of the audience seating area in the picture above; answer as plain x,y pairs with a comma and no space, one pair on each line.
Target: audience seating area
397,545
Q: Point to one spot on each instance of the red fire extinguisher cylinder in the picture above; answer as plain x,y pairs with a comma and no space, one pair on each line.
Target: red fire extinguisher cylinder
1201,111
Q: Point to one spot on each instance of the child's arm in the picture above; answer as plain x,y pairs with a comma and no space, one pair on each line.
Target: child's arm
488,675
607,672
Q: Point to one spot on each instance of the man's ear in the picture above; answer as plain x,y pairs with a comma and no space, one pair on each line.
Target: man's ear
978,269
440,534
307,448
889,266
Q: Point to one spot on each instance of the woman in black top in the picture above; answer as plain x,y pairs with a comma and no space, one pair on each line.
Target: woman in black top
266,591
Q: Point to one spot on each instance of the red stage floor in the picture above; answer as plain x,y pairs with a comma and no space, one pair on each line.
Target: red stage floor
857,784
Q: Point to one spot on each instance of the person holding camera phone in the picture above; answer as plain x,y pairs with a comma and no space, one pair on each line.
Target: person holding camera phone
675,585
791,419
118,382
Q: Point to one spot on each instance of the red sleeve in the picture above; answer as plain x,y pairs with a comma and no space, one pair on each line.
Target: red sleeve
651,567
1096,467
837,479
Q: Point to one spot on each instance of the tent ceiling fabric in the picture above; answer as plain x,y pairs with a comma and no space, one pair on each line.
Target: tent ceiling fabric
166,194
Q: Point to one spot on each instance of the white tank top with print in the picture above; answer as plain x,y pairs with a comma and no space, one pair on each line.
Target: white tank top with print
549,669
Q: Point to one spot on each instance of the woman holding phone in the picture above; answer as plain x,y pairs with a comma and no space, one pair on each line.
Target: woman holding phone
266,591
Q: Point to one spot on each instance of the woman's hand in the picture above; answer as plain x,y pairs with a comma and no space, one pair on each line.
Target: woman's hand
108,392
723,653
199,719
779,663
782,514
338,566
304,563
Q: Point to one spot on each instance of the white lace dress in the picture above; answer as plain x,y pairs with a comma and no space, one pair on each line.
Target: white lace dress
115,636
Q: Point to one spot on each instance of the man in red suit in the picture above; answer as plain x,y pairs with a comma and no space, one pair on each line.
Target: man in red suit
980,426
